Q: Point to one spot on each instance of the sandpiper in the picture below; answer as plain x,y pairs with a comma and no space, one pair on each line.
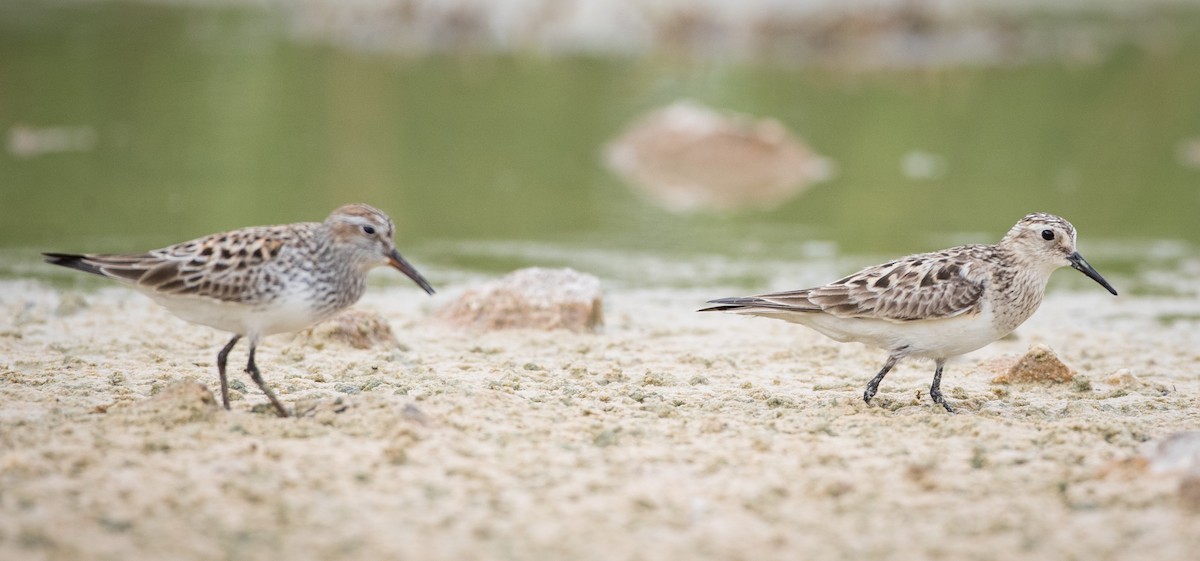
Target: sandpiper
262,280
933,305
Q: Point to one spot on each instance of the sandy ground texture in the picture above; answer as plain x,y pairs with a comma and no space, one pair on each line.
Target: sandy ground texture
668,435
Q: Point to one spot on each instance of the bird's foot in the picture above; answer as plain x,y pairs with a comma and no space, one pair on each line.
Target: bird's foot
268,408
869,393
254,375
938,399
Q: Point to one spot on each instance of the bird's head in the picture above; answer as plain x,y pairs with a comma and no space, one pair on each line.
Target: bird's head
365,232
1048,241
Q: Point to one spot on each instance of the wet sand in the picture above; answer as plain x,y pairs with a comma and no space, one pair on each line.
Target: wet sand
669,435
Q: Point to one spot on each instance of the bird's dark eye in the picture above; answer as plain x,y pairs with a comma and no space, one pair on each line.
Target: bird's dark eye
1047,235
368,230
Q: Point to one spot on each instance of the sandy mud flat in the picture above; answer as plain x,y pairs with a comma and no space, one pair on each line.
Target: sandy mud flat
668,435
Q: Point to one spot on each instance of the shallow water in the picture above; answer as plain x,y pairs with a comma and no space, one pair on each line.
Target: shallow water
159,124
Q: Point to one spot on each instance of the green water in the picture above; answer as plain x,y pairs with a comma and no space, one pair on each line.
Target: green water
204,120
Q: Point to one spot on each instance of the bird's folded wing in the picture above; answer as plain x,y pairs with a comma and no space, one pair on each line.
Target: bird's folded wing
219,266
918,287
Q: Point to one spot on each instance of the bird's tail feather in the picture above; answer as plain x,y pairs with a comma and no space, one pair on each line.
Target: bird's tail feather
763,305
73,261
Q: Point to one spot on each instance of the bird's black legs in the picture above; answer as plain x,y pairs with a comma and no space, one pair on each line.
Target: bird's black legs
221,357
873,385
935,391
252,370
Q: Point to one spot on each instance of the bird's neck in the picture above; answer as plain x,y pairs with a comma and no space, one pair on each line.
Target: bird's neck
1018,294
340,279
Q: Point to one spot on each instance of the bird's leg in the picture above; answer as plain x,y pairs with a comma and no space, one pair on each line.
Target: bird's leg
221,358
873,385
935,391
252,370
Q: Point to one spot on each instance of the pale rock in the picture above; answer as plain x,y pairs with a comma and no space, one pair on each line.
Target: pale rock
1123,378
1039,365
360,329
533,298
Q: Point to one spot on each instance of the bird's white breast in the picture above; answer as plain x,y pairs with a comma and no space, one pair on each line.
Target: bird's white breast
933,338
292,310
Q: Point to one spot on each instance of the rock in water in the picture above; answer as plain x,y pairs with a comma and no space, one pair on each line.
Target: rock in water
688,157
533,298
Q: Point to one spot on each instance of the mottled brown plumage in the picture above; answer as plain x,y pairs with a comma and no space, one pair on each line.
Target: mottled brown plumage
935,305
944,288
261,280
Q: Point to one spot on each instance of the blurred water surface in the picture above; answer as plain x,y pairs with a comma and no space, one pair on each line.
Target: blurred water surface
133,126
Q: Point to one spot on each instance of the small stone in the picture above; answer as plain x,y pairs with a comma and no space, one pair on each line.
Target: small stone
781,401
1123,378
360,329
348,389
1039,365
533,298
657,379
1081,384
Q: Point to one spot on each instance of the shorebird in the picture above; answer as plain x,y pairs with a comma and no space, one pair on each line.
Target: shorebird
933,305
260,280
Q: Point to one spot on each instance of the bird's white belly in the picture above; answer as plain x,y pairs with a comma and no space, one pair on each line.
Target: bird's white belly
933,338
291,311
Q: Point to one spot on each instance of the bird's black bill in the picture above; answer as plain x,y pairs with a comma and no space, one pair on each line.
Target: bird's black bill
403,266
1080,264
